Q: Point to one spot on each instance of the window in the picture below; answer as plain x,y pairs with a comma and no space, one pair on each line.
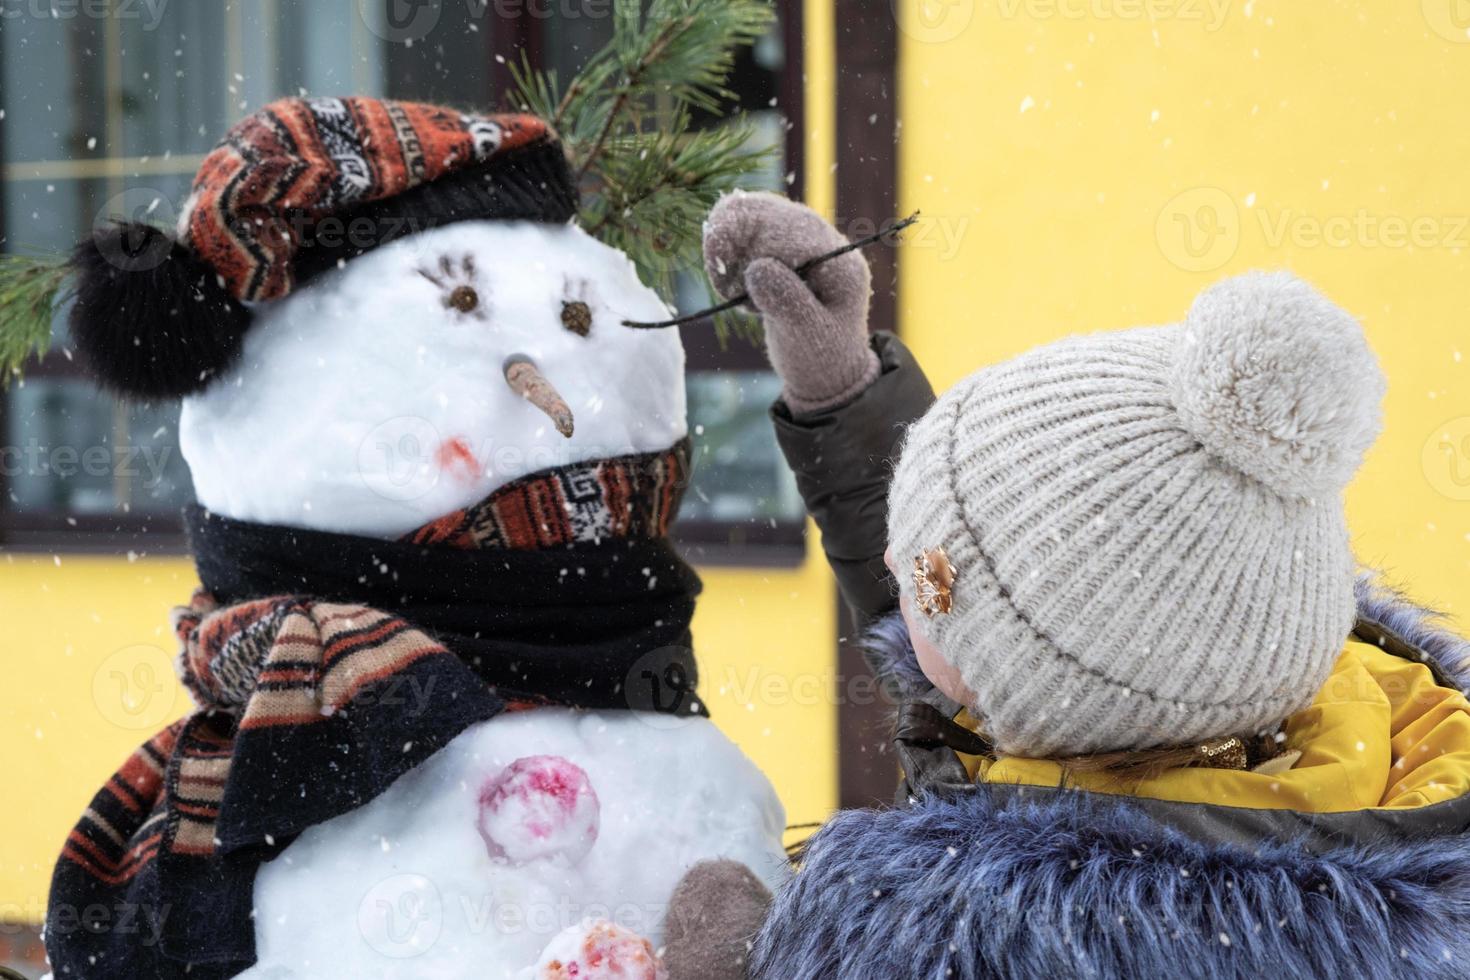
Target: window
108,116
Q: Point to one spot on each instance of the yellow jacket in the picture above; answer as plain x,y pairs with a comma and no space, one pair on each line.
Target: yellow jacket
1381,733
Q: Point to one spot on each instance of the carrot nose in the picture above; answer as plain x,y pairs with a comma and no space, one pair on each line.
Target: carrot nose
527,381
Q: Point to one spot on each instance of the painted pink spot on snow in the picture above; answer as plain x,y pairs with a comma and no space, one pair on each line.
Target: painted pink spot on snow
455,458
540,807
599,950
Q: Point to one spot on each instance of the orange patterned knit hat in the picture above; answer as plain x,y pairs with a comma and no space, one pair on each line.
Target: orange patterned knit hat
294,190
277,175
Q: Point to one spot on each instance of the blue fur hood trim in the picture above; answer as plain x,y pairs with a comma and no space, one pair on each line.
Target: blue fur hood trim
988,885
887,647
1423,629
999,882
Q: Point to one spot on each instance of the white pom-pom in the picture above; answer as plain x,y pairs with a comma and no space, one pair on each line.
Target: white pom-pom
1279,383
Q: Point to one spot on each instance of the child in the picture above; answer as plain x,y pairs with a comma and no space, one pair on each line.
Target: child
1154,724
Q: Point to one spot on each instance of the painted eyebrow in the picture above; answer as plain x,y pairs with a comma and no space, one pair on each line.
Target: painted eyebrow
576,311
458,281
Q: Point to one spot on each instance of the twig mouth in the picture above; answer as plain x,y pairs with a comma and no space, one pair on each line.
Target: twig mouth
527,381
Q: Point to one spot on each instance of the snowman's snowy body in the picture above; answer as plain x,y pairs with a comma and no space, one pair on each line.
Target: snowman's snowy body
406,886
372,401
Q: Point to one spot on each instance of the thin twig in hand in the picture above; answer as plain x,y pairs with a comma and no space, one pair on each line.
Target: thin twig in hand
803,270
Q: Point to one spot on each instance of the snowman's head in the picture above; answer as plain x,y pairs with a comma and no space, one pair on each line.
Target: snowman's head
377,313
376,398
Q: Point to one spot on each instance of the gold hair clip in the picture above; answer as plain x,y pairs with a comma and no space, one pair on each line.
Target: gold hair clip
934,582
1223,753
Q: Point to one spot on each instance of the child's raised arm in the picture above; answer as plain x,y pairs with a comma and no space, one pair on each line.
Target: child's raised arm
847,396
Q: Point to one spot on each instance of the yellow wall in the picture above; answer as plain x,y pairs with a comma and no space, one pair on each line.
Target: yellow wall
88,646
1062,150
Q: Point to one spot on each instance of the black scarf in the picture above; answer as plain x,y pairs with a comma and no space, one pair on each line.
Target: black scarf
590,624
561,588
594,625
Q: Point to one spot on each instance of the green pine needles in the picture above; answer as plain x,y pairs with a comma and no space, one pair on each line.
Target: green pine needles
647,179
30,288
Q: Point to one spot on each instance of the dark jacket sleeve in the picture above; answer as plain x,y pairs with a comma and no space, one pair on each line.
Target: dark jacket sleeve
843,460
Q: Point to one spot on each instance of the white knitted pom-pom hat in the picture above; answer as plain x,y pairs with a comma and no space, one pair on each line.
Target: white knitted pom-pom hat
1146,527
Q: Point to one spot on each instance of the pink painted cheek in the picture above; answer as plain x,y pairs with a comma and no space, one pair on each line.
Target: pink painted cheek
457,461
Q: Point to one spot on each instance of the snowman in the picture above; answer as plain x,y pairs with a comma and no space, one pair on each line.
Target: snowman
447,720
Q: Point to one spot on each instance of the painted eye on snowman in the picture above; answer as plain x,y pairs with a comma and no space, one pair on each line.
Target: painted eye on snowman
576,312
456,280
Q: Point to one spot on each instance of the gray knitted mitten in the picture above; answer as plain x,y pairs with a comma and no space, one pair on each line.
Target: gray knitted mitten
817,330
716,911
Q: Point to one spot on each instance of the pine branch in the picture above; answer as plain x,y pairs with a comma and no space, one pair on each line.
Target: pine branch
534,91
573,91
30,289
644,172
647,177
631,84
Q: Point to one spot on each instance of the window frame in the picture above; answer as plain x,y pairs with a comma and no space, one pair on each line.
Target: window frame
748,543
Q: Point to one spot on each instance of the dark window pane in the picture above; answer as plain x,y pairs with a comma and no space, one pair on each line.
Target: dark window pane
43,216
739,474
70,450
450,63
